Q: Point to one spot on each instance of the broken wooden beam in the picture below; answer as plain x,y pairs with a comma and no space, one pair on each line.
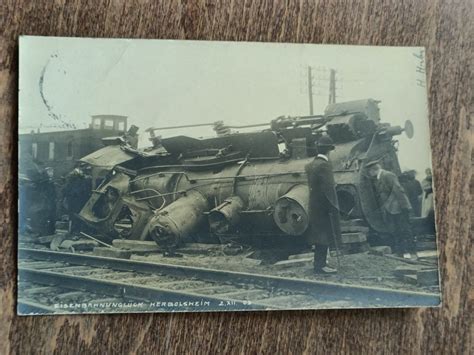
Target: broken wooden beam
354,237
285,264
136,245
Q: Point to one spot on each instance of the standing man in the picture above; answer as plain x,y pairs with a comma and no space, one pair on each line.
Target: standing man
395,207
76,192
413,191
131,136
324,228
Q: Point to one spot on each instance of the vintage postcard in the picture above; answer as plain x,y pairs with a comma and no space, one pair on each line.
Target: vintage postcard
189,176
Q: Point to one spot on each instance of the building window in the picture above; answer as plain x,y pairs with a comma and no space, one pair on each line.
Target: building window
70,150
96,123
34,150
51,150
109,124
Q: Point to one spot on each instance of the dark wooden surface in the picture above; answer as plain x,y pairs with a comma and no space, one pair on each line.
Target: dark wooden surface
445,28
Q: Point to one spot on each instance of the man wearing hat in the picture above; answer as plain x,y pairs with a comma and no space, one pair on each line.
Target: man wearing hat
324,228
395,206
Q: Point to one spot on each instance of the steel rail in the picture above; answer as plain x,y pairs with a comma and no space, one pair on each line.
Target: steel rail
134,291
361,296
27,307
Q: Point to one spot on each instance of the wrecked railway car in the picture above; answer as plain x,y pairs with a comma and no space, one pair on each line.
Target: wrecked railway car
246,185
60,150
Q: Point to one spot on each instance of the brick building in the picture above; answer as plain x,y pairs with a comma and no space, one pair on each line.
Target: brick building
60,150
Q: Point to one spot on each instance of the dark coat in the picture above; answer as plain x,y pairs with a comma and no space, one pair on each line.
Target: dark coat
392,197
323,205
413,191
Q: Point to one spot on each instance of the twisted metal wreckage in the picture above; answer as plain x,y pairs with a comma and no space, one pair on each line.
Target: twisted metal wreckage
240,184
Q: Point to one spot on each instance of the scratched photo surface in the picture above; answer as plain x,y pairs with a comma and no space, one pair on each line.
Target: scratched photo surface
183,176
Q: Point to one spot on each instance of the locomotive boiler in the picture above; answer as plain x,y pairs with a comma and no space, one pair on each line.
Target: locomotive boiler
243,185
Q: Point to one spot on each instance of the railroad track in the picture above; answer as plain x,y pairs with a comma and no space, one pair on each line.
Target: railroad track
59,282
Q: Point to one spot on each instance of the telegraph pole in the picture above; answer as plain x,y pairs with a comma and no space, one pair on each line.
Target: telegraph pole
310,90
320,82
332,86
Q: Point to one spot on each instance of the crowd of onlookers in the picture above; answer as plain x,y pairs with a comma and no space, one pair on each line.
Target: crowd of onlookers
419,194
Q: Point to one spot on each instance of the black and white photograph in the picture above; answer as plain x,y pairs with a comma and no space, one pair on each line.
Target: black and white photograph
198,176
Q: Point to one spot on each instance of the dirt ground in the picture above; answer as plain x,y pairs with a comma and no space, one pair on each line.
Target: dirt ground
356,269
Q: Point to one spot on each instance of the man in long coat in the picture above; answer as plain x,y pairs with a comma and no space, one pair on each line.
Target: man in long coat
413,190
324,228
395,206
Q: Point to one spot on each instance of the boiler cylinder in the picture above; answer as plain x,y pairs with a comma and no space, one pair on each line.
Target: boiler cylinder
179,219
291,210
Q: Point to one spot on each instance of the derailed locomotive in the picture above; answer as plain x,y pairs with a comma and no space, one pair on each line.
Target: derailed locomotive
243,185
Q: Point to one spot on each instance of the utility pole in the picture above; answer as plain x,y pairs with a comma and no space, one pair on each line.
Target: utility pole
310,90
332,86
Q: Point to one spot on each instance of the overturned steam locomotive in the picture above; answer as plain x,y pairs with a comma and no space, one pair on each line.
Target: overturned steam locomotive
242,185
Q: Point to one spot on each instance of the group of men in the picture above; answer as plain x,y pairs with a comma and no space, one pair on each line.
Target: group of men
393,200
419,194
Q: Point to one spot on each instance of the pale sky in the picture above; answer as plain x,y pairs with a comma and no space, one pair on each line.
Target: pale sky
168,83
